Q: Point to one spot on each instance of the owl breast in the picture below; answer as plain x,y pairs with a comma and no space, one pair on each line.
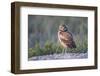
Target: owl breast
66,39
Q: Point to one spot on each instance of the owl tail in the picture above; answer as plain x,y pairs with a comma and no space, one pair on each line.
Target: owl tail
72,45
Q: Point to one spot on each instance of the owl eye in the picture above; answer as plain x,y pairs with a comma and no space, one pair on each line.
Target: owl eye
65,29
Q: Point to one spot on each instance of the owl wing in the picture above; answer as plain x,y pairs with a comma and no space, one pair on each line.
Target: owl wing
67,38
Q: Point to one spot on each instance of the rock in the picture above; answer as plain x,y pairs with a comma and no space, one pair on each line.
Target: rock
60,56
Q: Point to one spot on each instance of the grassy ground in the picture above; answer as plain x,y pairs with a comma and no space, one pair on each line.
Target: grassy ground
51,48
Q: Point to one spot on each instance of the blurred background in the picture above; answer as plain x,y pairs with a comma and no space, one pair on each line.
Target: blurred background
42,30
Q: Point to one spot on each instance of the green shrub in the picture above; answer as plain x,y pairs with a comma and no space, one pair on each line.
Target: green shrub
51,48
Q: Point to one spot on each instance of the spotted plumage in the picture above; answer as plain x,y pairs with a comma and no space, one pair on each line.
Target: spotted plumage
65,37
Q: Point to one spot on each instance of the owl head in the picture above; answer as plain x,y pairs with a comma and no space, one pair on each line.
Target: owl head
63,28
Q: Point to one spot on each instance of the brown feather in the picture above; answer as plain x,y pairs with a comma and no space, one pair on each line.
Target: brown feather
69,44
67,39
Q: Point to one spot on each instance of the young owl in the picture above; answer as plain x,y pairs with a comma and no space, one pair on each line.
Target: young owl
65,37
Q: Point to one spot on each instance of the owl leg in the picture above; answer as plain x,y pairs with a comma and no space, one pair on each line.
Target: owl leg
64,51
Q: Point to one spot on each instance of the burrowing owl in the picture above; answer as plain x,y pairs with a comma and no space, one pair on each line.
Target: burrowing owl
65,37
